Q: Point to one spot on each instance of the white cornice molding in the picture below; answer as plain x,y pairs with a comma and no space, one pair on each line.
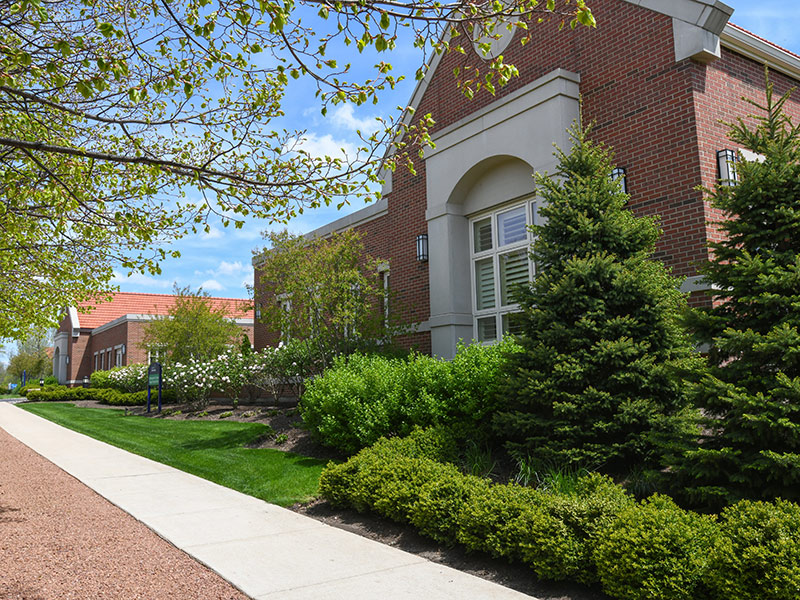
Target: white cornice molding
142,318
711,15
767,53
558,82
74,320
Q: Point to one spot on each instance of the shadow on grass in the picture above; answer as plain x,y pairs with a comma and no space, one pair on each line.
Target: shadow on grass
222,440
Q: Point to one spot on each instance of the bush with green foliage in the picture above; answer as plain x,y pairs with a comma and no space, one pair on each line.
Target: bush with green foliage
404,480
364,397
758,554
752,393
598,383
655,550
108,396
130,378
590,531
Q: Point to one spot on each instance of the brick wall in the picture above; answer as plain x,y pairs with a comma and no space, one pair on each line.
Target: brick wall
719,100
660,117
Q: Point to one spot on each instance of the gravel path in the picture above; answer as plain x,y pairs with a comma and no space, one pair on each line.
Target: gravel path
59,540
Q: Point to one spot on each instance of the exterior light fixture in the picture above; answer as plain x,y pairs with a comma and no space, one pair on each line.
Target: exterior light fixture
41,382
86,381
726,167
619,173
422,247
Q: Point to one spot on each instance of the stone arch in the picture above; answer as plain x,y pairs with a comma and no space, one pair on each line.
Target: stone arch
479,163
491,182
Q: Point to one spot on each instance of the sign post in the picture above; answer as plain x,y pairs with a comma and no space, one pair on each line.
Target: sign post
154,380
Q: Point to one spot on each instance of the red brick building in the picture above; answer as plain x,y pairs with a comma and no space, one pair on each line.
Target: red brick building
111,333
658,78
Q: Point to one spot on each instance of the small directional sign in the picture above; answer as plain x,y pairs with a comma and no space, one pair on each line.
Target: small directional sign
154,381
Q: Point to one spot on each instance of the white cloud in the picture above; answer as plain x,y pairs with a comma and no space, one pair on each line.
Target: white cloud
231,268
344,116
213,234
212,285
319,146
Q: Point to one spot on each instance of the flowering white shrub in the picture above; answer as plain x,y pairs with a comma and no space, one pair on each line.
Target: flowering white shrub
233,372
192,381
132,378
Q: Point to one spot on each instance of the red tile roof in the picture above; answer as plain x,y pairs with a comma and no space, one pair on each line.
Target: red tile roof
124,303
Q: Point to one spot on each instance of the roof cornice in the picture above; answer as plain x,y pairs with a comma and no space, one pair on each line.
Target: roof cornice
776,58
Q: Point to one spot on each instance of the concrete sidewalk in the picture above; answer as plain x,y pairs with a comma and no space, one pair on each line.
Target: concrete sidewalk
266,551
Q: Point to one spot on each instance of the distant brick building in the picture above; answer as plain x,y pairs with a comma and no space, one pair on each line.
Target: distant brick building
658,77
111,334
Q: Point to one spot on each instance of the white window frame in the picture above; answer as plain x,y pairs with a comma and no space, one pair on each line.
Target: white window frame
385,272
285,302
499,311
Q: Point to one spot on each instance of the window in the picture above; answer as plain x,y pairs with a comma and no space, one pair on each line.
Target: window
118,357
96,356
102,360
285,302
500,243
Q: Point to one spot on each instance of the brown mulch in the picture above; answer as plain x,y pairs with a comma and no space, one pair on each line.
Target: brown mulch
60,540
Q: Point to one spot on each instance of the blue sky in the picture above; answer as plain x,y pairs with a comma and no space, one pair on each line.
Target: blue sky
220,261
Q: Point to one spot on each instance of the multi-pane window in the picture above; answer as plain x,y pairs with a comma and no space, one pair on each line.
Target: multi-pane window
499,242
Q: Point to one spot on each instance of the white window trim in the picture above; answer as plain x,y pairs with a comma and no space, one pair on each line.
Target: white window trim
532,217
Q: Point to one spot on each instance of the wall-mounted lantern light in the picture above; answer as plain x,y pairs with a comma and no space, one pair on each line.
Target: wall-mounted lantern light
726,167
422,247
619,173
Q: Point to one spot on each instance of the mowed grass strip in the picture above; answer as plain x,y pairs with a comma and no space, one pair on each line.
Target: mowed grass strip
208,449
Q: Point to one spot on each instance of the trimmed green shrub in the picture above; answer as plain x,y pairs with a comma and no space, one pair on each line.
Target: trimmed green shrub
758,555
440,502
551,532
105,396
594,531
347,484
365,397
655,550
400,478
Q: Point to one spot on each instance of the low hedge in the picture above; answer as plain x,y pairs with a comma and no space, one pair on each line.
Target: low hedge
362,398
103,395
595,533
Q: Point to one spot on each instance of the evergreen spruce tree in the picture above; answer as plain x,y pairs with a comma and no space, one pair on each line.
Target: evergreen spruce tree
598,384
752,392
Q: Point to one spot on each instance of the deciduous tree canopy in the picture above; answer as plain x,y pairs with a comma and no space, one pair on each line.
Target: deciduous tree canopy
112,111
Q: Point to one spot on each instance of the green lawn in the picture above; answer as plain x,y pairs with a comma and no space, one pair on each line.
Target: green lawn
212,450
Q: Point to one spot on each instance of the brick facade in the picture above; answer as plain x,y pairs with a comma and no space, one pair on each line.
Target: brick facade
661,116
87,342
